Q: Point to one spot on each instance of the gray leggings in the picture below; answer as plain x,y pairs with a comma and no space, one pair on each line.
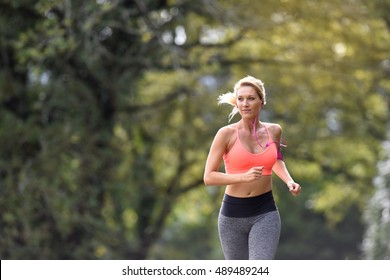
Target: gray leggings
253,238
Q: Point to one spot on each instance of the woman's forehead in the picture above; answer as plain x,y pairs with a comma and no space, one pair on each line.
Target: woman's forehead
246,90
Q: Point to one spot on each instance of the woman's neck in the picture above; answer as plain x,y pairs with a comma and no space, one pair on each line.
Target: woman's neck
251,124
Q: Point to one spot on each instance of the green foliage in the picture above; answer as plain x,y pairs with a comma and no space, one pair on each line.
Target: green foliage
377,214
108,109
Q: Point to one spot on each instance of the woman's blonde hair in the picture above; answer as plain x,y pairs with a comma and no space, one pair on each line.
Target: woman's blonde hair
231,97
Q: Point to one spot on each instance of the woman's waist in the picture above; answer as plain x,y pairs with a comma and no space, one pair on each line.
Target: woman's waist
250,189
247,206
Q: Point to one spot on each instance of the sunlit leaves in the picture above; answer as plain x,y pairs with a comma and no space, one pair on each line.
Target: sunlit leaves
109,108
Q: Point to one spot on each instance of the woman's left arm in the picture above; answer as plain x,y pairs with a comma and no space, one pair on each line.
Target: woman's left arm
280,167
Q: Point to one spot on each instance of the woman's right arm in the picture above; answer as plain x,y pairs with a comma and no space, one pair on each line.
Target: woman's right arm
212,176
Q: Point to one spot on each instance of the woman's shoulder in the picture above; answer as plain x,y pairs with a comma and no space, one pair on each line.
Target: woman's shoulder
274,129
227,134
228,130
273,126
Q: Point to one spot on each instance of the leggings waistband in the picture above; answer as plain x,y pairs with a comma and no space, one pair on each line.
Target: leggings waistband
242,207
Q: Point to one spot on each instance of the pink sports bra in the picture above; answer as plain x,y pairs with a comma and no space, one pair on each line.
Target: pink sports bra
240,160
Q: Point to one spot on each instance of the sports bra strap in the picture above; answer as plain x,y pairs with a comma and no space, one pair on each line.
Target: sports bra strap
269,136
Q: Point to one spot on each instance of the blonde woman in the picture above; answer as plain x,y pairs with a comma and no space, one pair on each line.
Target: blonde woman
249,222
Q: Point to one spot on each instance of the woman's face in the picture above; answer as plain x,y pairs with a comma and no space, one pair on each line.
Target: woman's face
248,102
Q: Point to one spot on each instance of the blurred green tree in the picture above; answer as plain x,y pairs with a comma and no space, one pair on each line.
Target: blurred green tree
94,155
377,214
375,244
108,110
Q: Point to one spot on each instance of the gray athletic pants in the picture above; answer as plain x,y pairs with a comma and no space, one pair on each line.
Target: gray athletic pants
255,237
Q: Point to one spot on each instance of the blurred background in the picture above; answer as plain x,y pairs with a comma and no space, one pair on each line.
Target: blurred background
108,109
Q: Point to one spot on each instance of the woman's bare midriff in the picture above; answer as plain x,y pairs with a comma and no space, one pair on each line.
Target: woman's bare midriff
251,189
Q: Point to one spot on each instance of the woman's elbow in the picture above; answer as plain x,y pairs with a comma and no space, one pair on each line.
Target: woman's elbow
206,179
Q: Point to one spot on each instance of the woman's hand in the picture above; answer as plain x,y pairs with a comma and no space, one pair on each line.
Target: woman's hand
255,173
295,188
